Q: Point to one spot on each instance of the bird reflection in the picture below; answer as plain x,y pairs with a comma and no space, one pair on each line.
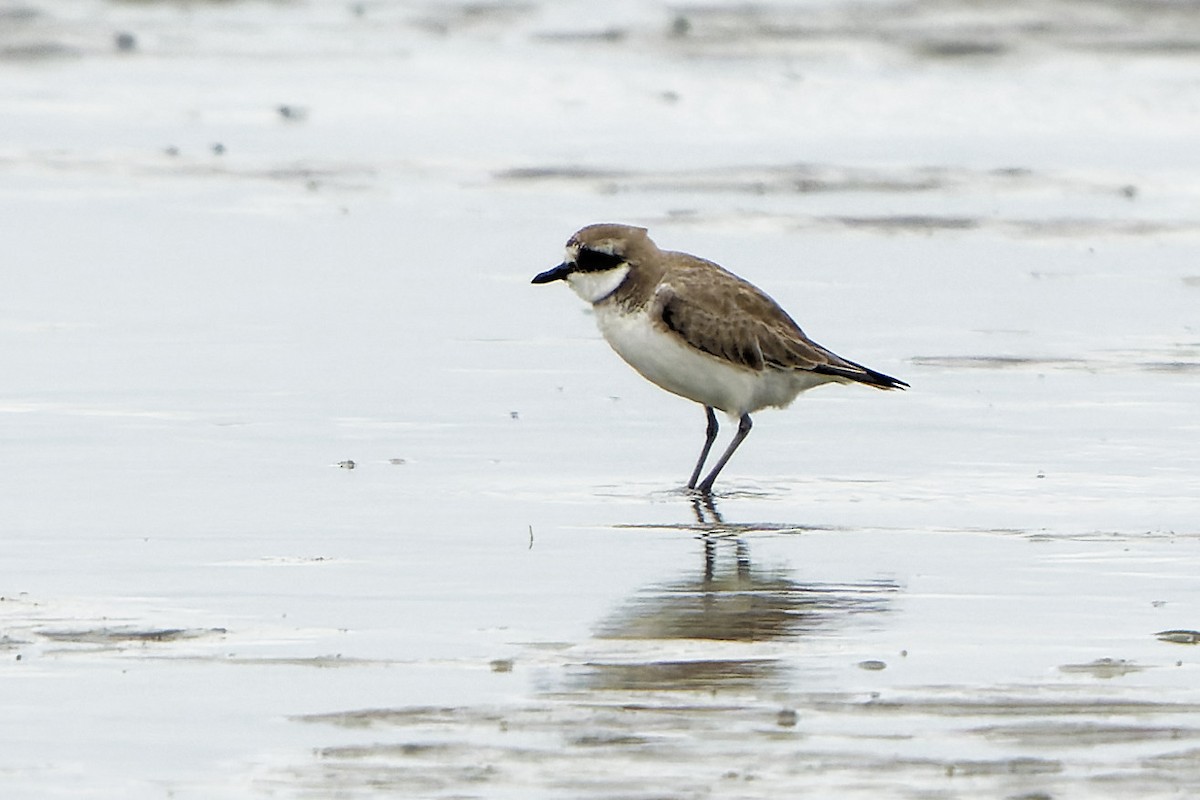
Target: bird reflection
730,600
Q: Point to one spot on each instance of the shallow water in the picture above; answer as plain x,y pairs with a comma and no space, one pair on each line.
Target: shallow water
270,239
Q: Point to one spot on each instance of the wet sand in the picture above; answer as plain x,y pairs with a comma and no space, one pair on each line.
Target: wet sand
308,493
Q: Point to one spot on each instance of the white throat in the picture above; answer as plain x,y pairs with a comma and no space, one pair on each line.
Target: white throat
595,286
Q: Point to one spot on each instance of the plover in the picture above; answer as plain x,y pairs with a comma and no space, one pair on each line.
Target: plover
698,331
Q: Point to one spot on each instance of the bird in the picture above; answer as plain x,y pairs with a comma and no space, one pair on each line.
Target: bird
698,331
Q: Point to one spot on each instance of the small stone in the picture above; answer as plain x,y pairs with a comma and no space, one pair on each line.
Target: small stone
292,113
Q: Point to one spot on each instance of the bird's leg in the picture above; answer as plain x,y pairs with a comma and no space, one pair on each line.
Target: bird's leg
743,429
710,435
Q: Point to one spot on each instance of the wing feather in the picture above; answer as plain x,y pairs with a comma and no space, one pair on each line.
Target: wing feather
726,317
716,312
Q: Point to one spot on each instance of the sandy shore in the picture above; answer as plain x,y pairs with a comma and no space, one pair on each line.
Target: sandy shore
249,244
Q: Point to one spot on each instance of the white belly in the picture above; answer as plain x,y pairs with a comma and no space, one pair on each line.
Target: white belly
669,362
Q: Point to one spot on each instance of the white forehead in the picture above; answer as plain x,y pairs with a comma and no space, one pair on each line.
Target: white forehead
606,246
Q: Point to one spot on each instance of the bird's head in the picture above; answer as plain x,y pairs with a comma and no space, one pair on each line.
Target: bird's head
599,257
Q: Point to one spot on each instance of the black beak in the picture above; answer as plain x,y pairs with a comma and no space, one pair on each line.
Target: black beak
556,274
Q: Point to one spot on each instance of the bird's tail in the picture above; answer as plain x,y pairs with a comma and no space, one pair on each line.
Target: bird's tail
857,373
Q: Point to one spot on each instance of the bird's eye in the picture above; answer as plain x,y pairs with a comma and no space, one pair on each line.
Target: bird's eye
596,261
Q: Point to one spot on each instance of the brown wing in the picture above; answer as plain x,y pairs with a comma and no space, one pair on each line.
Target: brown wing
717,312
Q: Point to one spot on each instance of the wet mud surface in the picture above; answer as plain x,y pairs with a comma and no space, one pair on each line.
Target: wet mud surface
308,493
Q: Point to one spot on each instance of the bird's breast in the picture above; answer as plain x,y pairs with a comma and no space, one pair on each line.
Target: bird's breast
666,360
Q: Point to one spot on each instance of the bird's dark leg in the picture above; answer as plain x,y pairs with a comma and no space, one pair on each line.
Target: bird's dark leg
710,435
743,429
